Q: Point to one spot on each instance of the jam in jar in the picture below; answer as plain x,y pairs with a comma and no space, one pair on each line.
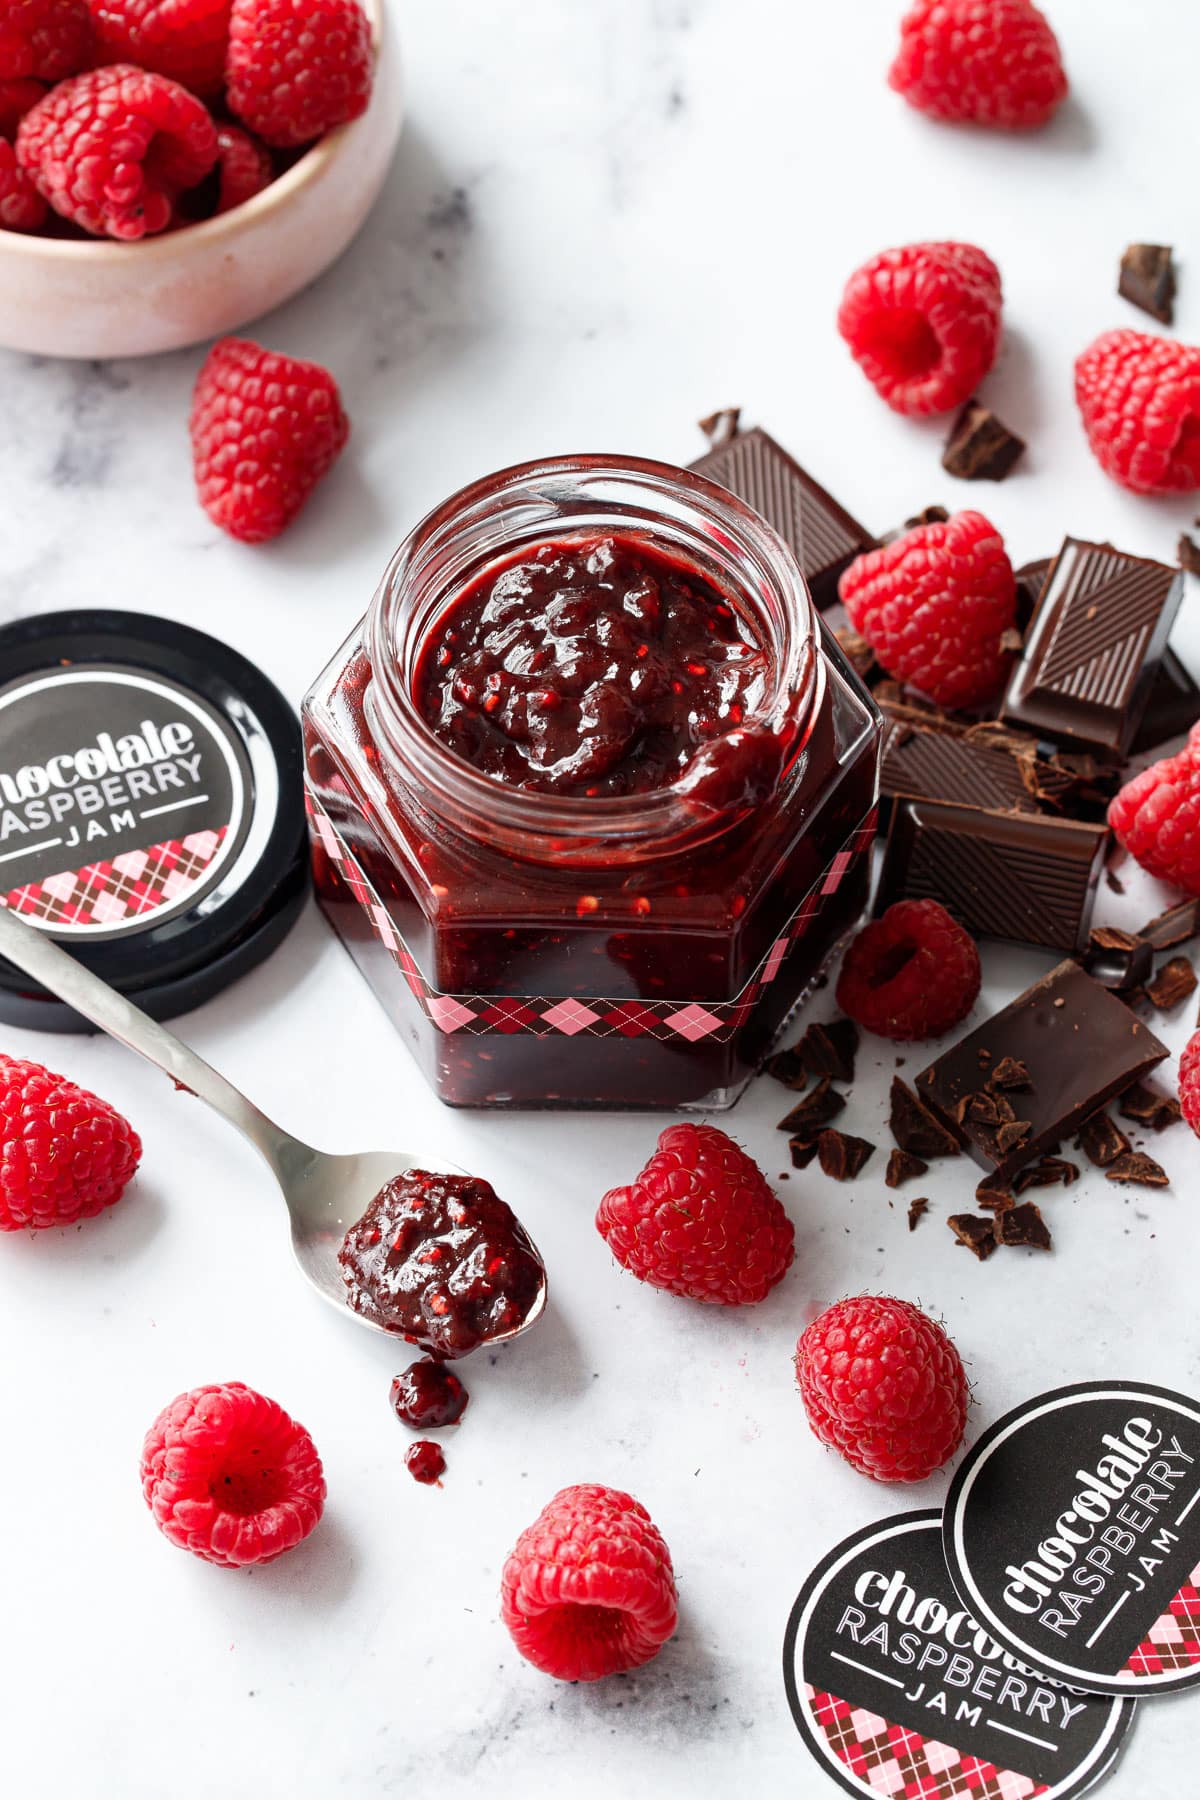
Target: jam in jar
591,789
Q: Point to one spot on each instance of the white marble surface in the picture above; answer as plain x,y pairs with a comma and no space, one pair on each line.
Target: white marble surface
605,220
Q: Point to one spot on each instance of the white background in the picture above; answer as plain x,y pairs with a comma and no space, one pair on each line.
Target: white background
605,220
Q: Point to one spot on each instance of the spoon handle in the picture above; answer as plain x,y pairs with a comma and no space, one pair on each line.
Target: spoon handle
38,956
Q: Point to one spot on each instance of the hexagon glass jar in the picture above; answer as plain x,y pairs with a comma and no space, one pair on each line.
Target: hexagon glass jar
637,949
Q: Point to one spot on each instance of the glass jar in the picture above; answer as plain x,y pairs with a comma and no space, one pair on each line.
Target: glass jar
633,951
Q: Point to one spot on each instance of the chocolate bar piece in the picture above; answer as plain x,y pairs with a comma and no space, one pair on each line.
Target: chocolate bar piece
1027,878
979,447
822,535
1172,709
1147,279
1093,648
932,762
1081,1046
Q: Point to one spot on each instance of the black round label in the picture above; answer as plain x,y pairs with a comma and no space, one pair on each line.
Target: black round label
1072,1530
897,1689
122,796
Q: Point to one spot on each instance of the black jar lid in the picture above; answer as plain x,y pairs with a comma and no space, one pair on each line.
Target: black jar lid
151,808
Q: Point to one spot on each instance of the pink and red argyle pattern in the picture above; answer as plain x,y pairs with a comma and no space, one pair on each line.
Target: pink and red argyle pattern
1173,1641
899,1764
668,1020
105,894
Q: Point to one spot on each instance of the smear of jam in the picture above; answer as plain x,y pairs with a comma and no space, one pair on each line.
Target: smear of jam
428,1395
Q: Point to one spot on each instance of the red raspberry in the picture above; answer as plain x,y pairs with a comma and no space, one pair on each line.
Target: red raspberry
1139,397
230,1477
883,1385
914,973
64,1154
111,149
1189,1082
1157,816
935,605
16,99
297,68
21,206
700,1221
923,324
265,429
983,62
588,1590
186,40
244,165
47,39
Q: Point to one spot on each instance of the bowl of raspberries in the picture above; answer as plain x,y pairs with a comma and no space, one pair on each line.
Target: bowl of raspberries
170,169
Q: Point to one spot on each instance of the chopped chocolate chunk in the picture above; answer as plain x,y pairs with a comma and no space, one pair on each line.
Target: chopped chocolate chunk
803,1151
928,515
788,1067
1172,985
916,1210
935,759
816,1109
830,1049
1138,1170
904,1166
1187,553
1052,1171
993,1194
1022,1226
1081,1046
1010,1074
720,427
1147,279
915,1128
977,1234
979,447
1175,926
1149,1107
858,653
842,1156
1118,959
1174,703
1031,579
1102,1140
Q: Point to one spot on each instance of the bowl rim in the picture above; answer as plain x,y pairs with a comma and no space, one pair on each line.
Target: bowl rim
169,245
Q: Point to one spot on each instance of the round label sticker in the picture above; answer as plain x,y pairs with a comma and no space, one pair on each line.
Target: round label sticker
897,1689
121,795
1072,1530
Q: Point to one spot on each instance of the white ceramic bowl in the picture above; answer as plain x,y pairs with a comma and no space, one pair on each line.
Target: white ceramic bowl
60,297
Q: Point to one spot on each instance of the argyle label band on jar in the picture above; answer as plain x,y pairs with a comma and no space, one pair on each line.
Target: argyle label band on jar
593,1016
896,1689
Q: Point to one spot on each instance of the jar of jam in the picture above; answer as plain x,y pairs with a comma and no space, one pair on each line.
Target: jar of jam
591,789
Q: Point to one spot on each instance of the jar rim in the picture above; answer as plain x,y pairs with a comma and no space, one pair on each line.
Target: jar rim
486,520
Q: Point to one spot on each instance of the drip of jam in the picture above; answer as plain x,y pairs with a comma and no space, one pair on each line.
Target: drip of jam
442,1261
599,667
428,1395
425,1462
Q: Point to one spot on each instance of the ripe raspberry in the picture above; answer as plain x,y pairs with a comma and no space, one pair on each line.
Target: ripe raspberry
64,1154
21,206
588,1590
265,429
883,1385
48,39
935,605
1156,816
244,166
111,149
1139,397
983,62
1189,1082
297,68
700,1221
914,973
923,324
186,40
230,1477
16,99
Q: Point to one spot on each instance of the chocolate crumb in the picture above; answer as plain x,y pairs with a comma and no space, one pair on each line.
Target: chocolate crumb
1149,1107
979,447
1172,985
993,1194
1173,927
1102,1140
1113,881
830,1049
815,1110
1011,1074
788,1067
904,1166
1051,1171
1022,1226
915,1128
1187,554
978,1235
1147,280
916,1210
928,515
842,1156
1008,1136
858,653
721,427
1138,1170
803,1151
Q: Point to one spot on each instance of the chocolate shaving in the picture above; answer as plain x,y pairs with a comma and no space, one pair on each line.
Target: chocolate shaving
842,1156
915,1128
993,1194
858,653
1173,927
904,1166
1187,554
815,1110
1051,1171
979,447
787,1066
1147,280
978,1235
831,1049
929,515
721,427
1010,1135
803,1151
1022,1226
1172,985
1102,1140
1149,1107
1010,1073
916,1210
1139,1170
1118,959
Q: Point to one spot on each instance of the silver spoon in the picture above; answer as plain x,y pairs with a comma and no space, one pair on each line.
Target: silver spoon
324,1194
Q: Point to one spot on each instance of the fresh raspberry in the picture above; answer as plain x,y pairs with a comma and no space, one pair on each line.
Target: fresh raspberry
16,99
1139,397
297,68
186,40
883,1385
588,1589
935,605
923,324
244,166
700,1221
265,429
230,1477
64,1154
48,39
111,149
912,974
21,206
1189,1082
981,62
1156,816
